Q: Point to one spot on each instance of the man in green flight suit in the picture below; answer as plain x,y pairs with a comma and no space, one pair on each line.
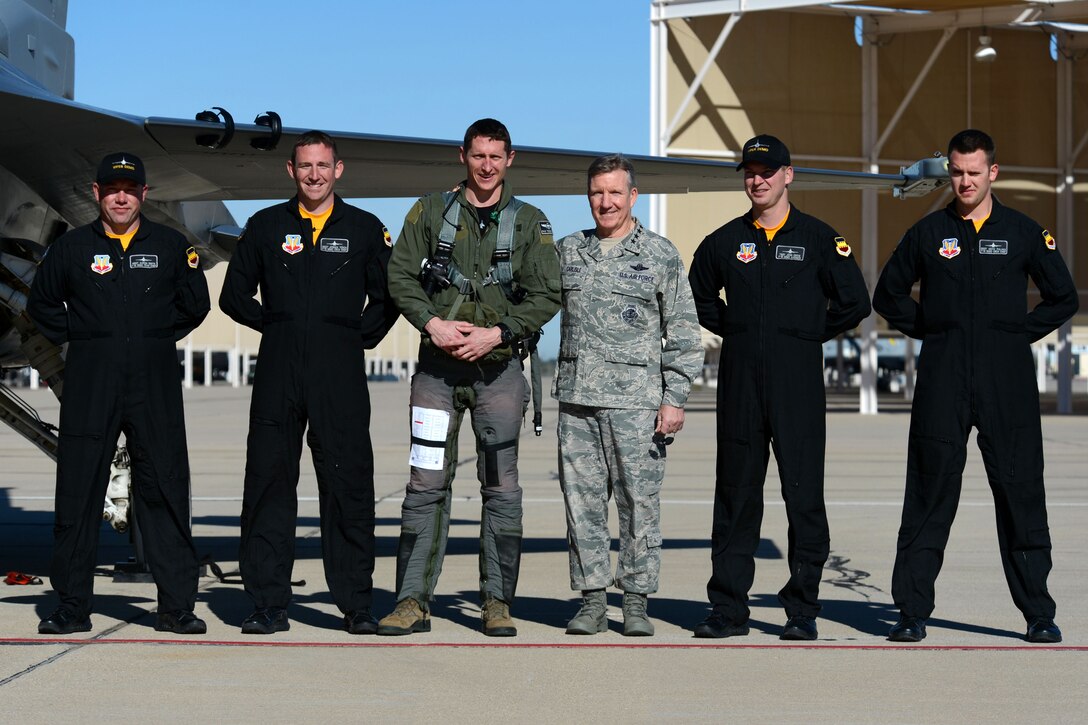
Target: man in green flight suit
475,271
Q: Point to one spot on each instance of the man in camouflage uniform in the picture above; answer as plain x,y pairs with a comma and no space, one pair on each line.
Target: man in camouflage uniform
621,391
474,297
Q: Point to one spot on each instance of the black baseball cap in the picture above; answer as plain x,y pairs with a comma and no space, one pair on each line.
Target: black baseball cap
766,150
121,166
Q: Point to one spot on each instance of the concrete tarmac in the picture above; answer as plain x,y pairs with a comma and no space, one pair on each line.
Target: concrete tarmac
973,667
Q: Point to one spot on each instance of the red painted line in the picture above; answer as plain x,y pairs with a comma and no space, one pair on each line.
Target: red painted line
545,645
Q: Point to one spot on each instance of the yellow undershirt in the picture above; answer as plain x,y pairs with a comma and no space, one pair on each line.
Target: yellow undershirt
125,239
771,231
316,220
978,222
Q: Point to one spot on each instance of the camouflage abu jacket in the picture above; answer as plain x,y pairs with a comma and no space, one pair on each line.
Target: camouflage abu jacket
629,334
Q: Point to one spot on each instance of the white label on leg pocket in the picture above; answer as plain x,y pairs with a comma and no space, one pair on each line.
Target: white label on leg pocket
429,429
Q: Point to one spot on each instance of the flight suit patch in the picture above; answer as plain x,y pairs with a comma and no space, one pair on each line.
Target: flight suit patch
546,232
292,243
1049,241
143,261
789,253
101,264
335,246
949,248
747,252
842,247
993,246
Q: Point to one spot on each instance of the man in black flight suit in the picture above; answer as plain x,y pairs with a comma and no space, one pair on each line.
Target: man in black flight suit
320,266
121,291
791,283
976,369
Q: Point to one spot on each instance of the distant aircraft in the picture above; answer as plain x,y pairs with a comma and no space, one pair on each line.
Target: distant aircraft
50,146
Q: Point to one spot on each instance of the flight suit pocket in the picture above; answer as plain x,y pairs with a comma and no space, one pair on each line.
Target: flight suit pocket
1006,326
1023,459
1055,275
803,460
91,283
842,277
732,328
935,455
801,334
739,467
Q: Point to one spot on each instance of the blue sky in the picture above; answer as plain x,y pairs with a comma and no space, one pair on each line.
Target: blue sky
559,73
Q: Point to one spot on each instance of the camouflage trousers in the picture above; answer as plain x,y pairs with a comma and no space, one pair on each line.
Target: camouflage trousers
606,451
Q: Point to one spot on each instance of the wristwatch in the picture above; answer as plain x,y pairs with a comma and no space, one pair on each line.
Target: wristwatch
507,335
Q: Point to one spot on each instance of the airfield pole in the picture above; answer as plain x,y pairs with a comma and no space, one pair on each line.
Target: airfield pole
189,362
235,369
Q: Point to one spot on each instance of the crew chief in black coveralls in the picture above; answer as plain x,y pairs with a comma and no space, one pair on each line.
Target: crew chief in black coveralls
976,369
320,265
790,284
121,291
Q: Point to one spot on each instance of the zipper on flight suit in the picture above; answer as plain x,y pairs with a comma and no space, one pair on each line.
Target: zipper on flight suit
306,226
124,289
972,237
480,236
764,249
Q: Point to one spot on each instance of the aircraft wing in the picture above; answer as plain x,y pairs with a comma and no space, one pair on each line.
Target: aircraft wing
393,166
54,145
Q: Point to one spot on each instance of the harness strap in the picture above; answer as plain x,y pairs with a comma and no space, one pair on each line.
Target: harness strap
502,269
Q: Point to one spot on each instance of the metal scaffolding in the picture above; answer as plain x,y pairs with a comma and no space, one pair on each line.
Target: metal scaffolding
894,17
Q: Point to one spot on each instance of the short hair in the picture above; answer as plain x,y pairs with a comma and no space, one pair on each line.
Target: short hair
972,140
488,128
609,163
315,137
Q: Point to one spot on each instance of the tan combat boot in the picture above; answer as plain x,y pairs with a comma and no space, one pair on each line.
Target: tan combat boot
407,617
495,614
591,618
635,621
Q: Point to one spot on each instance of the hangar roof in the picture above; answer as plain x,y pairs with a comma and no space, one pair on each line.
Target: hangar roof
958,12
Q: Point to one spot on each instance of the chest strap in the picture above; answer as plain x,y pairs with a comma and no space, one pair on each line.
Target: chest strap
501,271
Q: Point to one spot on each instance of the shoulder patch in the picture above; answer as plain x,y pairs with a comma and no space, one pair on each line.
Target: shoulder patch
546,231
413,214
1049,241
842,247
192,257
386,236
